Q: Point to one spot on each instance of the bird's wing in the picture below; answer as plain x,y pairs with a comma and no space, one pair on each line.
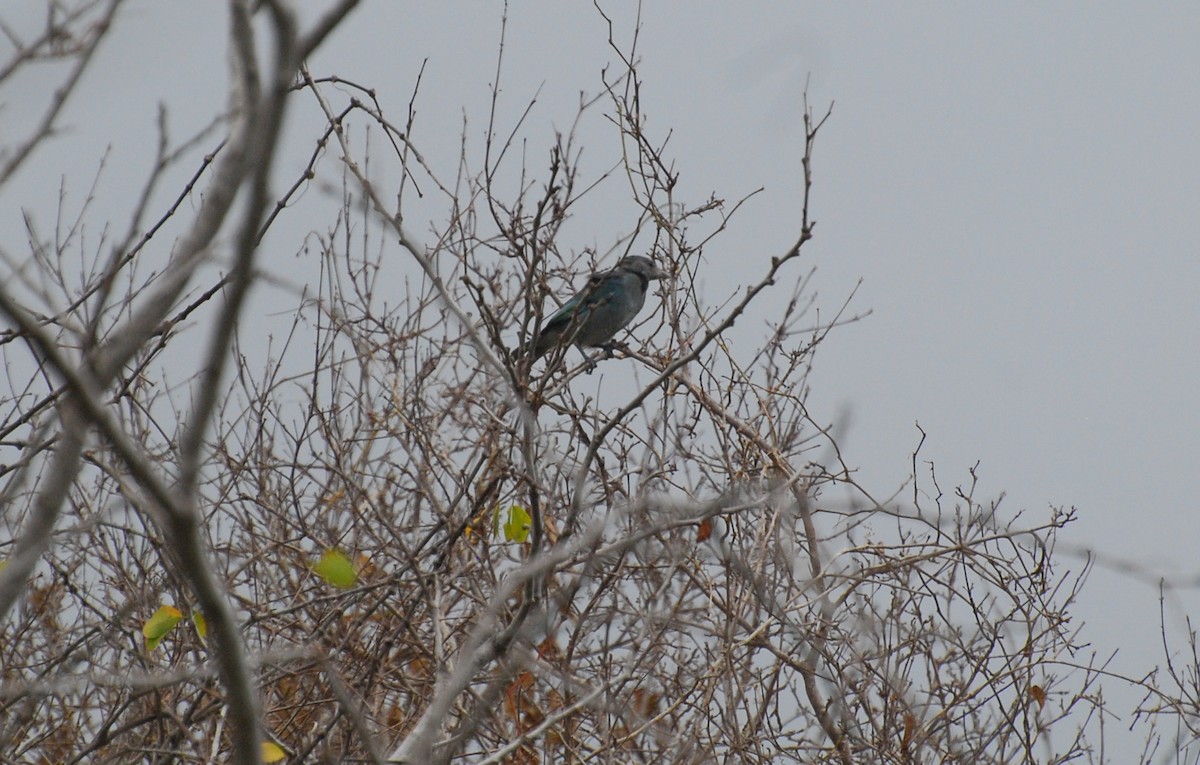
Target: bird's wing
581,304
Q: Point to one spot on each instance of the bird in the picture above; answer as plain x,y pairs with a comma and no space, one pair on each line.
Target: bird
601,309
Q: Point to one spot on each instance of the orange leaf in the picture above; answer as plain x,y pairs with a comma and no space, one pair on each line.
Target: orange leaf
548,649
517,697
645,702
1038,694
910,726
705,531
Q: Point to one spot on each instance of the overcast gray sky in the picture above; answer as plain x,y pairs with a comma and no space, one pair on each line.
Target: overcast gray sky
1015,183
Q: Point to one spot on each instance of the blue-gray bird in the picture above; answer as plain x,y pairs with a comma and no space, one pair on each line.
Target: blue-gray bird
601,309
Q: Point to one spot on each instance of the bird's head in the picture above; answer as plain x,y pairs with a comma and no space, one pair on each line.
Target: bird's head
642,266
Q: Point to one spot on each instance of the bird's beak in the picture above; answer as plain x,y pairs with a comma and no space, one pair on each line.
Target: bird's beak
659,273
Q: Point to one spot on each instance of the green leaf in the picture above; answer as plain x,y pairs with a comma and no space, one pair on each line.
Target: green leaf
159,624
336,569
517,524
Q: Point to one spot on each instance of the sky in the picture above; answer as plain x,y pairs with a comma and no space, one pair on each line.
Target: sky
1014,184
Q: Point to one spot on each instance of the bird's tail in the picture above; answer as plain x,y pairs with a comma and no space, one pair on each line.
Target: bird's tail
543,344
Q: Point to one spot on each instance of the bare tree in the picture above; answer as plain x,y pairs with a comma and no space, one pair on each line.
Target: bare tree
391,537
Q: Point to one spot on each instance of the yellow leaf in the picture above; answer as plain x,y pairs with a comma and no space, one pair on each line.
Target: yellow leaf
272,752
517,524
336,569
159,624
200,624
